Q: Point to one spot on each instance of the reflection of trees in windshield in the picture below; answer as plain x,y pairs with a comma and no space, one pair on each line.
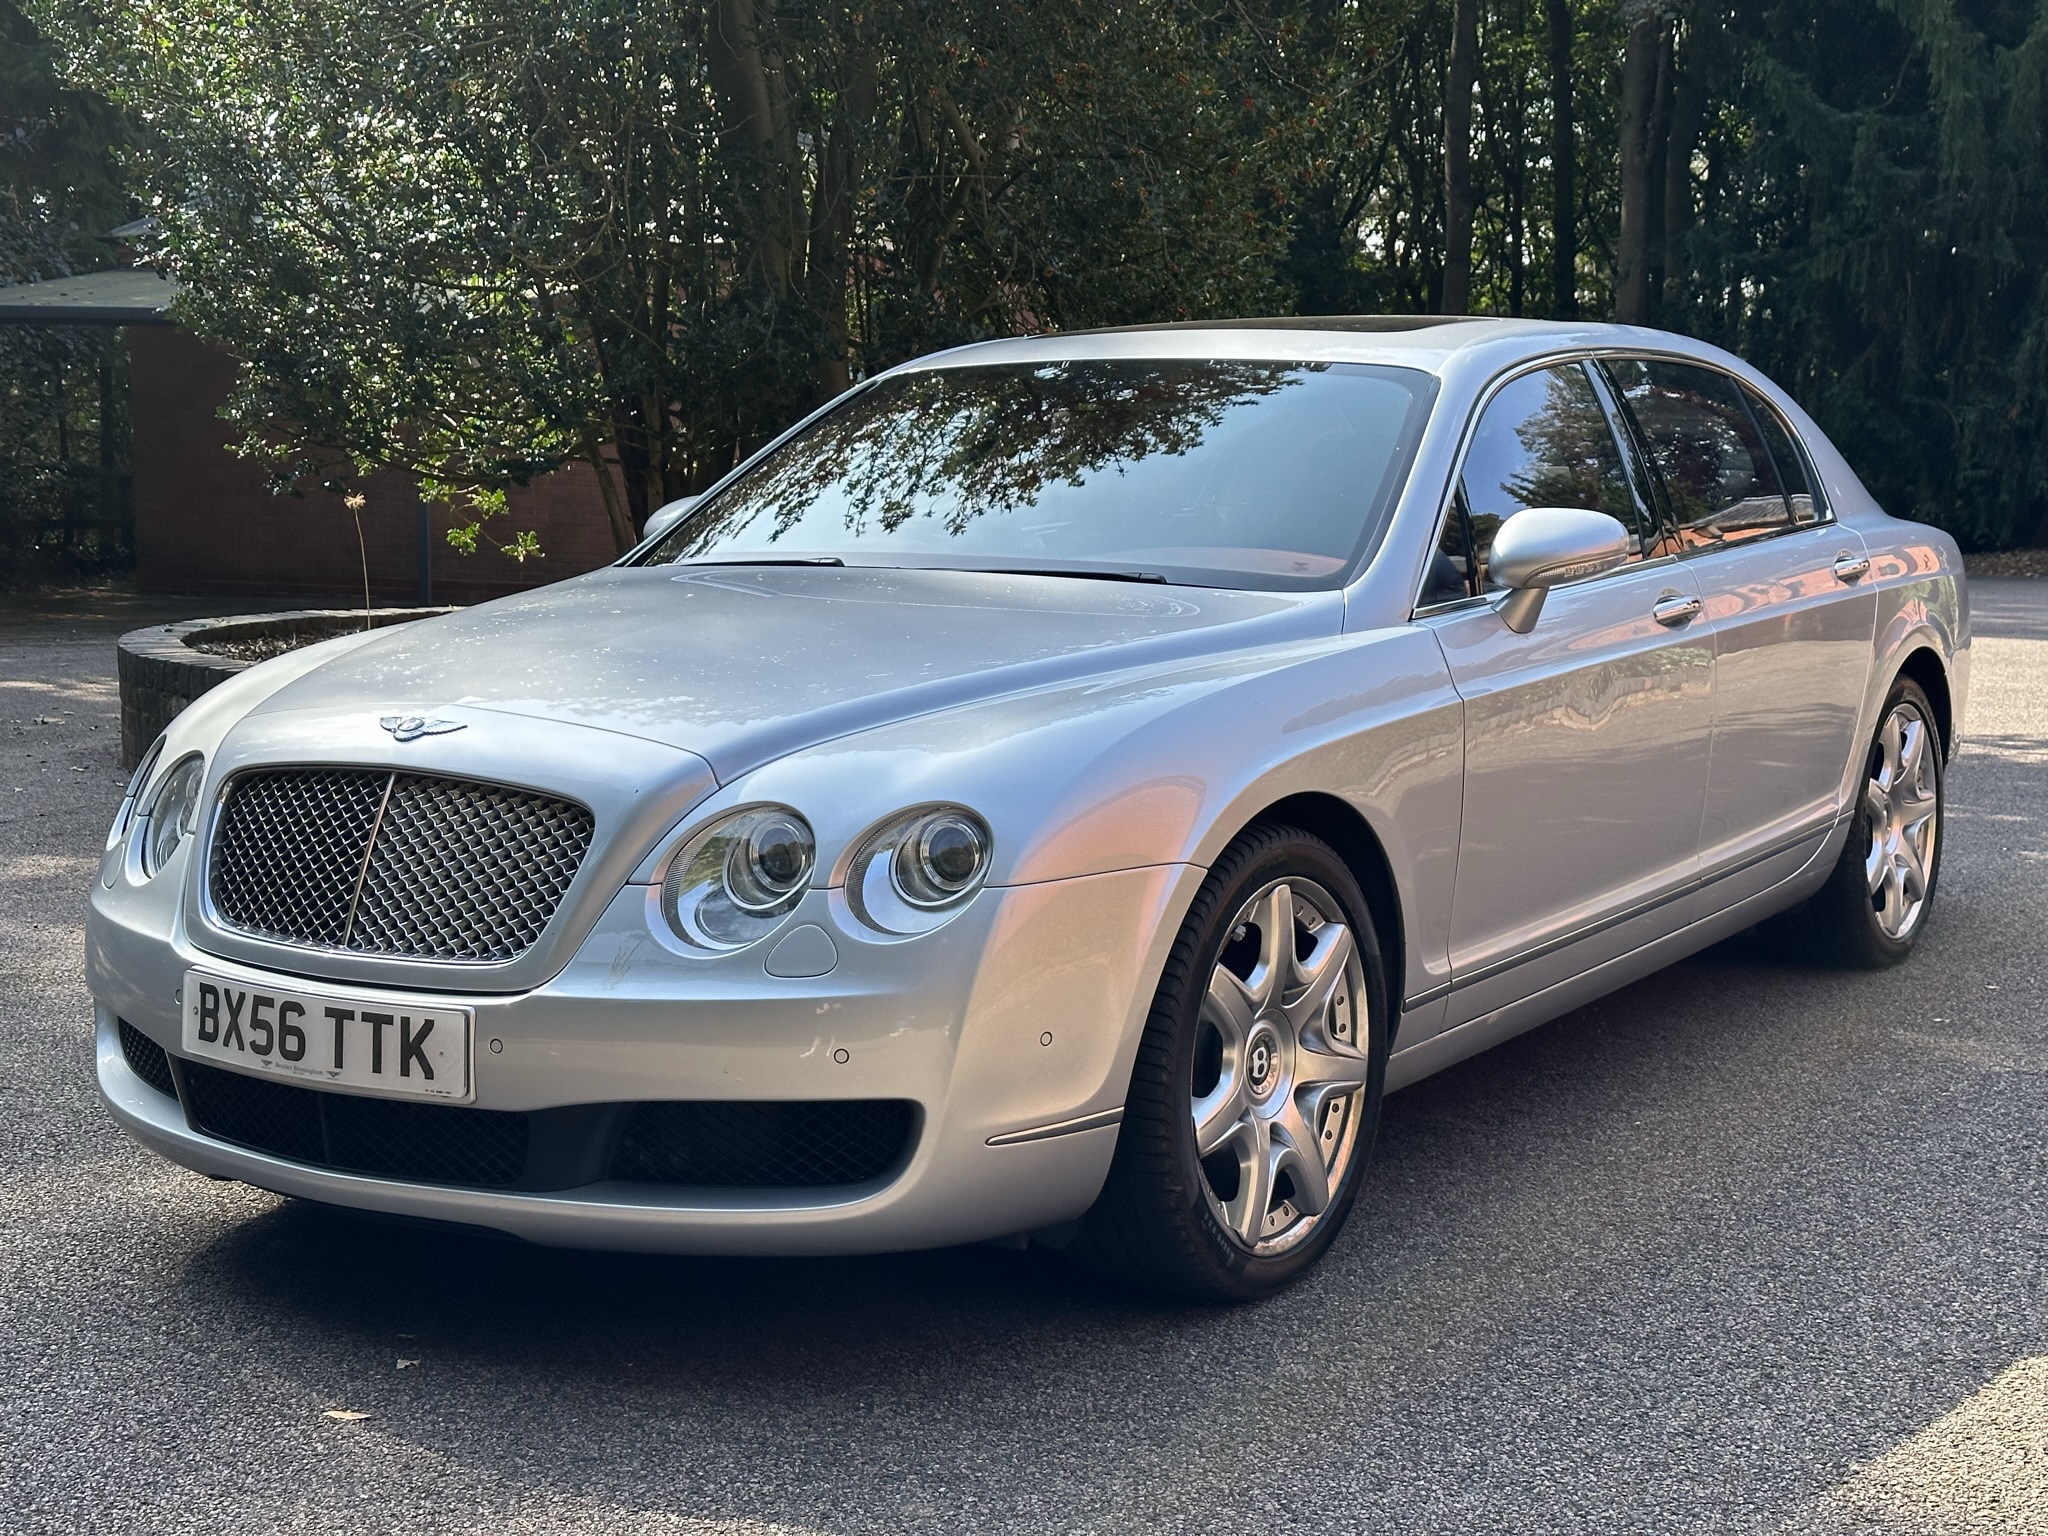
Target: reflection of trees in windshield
953,445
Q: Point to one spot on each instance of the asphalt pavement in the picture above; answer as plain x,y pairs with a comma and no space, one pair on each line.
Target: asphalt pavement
1749,1247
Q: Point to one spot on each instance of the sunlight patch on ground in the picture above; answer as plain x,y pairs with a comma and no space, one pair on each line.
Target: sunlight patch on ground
1980,1470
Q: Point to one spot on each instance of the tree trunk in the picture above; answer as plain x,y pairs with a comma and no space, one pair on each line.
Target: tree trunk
1458,82
1564,157
1688,102
826,271
747,80
1645,49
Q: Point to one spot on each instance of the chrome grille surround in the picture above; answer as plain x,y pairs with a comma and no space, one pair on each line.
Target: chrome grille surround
401,865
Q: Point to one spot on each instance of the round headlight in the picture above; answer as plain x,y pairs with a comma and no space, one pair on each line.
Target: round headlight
917,869
171,813
738,878
940,859
770,861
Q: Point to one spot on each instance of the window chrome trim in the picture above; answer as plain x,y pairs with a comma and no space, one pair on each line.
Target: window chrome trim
1521,367
1750,397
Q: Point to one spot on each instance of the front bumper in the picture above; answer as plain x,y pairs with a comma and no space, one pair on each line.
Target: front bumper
1013,1030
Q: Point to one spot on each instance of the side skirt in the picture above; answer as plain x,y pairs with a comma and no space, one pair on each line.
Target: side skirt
1427,1057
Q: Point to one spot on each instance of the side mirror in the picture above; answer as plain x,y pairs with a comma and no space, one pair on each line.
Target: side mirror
664,518
1544,547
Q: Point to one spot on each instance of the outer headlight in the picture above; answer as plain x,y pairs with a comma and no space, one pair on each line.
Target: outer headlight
136,780
737,879
919,868
171,813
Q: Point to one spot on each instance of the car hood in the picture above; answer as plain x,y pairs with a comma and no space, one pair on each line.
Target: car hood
743,664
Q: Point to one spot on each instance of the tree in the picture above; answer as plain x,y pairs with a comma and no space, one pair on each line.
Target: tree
62,428
1460,74
483,240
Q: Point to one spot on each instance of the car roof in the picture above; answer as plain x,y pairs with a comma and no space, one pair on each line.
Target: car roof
1428,342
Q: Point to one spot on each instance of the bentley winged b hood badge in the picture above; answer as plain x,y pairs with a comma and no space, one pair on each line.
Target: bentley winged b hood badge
412,727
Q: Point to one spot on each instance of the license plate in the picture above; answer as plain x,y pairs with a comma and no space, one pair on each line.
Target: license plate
398,1047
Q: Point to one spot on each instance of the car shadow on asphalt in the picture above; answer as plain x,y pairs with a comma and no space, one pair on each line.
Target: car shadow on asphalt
1466,1141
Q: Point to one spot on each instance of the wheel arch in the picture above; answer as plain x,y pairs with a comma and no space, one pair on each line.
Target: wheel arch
1924,666
1340,824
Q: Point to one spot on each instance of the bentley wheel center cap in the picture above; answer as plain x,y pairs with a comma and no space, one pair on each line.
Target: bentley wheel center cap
1262,1061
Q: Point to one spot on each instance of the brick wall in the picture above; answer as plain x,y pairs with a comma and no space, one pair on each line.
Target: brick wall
204,522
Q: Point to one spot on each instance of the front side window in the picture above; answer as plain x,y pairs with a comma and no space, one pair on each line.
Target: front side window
1543,440
1271,475
1709,453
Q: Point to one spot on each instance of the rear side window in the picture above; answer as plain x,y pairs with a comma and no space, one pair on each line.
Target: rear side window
1708,449
1802,490
1543,441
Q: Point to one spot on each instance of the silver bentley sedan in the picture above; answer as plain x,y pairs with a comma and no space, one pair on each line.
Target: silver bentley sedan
1052,793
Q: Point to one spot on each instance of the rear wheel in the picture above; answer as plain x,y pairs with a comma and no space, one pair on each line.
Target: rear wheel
1876,901
1256,1094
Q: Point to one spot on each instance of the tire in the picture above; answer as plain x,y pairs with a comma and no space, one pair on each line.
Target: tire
1877,899
1280,1054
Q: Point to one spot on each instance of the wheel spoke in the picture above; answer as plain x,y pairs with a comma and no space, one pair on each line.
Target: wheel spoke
1220,1114
1912,750
1298,1153
1912,874
1890,744
1231,1006
1875,863
1255,1179
1877,807
1274,917
1323,971
1342,1070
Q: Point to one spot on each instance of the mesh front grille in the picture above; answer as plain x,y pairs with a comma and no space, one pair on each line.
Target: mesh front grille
764,1145
406,865
421,1143
146,1059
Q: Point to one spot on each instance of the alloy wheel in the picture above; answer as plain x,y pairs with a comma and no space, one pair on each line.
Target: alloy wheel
1902,806
1279,1069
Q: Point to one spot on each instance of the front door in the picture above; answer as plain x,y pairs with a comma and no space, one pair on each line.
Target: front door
1587,739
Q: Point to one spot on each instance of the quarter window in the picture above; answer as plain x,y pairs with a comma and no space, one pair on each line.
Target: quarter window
1542,441
1709,452
1800,489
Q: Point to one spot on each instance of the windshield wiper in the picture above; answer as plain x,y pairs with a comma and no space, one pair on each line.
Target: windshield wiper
1081,572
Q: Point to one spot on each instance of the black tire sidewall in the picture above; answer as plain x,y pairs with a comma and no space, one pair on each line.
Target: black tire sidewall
1213,1263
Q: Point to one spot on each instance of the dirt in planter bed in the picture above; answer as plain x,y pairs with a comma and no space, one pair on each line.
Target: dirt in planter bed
254,648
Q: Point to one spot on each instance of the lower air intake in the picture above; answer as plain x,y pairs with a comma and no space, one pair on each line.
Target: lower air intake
765,1144
146,1059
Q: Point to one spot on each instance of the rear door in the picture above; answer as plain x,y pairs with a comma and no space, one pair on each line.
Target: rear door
1790,620
1586,740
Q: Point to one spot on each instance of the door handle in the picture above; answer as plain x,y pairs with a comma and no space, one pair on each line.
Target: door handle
1674,609
1850,567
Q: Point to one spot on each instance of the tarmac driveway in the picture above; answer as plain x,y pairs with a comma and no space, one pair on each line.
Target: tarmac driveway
1747,1247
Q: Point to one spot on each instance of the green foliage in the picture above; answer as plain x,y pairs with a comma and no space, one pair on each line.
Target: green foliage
1877,238
481,240
62,431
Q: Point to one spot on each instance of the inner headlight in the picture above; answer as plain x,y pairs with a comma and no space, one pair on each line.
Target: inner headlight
738,878
171,813
918,869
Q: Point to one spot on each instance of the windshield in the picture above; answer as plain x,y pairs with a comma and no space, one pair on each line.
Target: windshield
1215,473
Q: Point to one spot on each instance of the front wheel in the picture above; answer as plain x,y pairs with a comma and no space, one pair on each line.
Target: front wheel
1256,1094
1877,899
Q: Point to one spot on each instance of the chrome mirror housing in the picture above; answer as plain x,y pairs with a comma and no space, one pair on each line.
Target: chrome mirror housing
1544,547
663,518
